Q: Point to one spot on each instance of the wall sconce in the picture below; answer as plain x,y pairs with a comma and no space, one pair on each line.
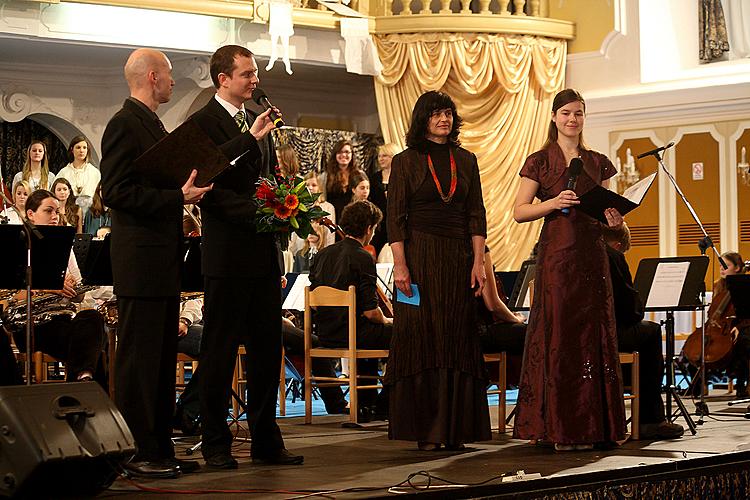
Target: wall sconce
628,173
743,169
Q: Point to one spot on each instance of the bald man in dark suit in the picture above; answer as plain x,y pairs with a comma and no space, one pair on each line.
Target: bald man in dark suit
146,257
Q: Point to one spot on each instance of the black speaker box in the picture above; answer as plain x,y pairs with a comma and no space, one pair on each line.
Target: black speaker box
60,440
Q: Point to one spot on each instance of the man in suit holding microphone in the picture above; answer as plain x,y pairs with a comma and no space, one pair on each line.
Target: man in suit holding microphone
146,259
242,273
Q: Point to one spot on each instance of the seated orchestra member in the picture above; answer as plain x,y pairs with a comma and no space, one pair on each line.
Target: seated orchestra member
501,330
741,352
340,265
70,213
77,341
634,334
187,409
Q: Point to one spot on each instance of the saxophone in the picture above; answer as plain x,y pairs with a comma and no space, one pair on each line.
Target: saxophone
44,307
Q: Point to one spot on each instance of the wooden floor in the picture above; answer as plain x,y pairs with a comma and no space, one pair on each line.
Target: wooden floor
342,460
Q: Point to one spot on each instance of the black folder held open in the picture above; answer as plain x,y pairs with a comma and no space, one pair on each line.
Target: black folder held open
168,163
598,199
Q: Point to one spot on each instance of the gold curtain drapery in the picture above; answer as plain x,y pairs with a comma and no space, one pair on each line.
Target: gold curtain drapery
503,86
712,31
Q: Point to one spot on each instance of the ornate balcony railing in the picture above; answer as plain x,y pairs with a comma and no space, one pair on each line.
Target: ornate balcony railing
387,16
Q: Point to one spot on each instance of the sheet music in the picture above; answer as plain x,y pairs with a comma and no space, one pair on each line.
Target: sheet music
385,275
666,288
637,191
295,301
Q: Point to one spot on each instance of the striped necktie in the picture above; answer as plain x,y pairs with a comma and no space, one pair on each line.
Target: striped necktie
241,120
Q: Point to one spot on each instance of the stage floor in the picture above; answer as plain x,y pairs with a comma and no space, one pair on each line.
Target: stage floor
339,459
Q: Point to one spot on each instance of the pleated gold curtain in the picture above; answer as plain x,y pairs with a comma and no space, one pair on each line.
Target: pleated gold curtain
503,86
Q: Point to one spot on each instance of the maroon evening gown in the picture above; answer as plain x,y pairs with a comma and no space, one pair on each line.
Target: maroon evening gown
571,387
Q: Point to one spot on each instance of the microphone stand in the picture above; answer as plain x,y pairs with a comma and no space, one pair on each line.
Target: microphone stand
701,408
28,230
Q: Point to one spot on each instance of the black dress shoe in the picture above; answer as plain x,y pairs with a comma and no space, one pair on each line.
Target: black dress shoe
185,466
221,461
279,457
159,469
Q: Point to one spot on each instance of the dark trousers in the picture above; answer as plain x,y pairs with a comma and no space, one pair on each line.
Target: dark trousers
144,372
503,337
190,344
9,369
645,337
241,311
369,336
78,342
741,356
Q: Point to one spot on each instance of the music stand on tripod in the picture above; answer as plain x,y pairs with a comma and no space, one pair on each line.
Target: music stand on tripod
36,258
668,285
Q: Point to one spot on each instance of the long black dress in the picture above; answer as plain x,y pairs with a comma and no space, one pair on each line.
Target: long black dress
571,388
435,371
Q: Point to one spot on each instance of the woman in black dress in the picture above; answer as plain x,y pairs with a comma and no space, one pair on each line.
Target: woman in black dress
437,229
340,168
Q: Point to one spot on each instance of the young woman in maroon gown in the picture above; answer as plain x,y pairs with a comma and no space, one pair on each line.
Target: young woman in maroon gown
570,392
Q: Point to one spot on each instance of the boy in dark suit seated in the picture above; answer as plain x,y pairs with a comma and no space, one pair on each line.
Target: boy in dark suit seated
343,264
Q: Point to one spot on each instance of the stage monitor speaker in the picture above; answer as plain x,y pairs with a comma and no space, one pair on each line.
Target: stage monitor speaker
60,440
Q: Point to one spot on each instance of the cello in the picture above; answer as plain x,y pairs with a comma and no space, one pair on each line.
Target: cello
383,301
720,333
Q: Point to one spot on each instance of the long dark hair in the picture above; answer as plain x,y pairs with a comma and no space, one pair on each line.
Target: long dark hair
73,142
736,259
428,103
97,208
35,199
561,99
70,212
334,181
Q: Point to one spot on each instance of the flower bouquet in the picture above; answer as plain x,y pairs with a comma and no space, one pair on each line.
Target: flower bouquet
285,206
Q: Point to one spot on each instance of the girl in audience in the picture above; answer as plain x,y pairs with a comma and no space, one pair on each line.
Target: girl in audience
288,162
80,173
340,168
311,246
97,216
379,191
21,192
359,186
70,213
36,168
313,185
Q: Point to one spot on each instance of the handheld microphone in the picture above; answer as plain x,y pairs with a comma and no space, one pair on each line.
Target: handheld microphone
575,167
261,98
655,151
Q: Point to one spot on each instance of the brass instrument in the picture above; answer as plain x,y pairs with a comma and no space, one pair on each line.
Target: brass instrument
44,307
109,312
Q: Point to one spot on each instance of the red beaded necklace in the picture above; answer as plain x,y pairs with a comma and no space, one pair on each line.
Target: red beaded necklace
454,178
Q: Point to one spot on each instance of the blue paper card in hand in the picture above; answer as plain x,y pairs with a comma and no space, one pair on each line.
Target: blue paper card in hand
413,300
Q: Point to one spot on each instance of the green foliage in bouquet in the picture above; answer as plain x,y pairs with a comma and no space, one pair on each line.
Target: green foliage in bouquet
285,206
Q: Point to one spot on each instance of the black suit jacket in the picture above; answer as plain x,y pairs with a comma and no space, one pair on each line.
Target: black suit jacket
146,221
628,303
231,246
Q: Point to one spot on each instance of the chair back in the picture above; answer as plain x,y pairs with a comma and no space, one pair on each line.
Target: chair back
326,296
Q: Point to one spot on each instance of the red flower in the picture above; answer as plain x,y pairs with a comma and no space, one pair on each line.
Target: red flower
291,201
282,212
265,192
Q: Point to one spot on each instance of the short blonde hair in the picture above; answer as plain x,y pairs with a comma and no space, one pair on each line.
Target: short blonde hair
389,149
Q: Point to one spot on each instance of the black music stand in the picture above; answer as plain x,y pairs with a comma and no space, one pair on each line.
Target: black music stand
36,258
521,286
689,300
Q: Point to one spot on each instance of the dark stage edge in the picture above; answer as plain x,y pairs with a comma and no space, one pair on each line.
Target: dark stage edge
715,463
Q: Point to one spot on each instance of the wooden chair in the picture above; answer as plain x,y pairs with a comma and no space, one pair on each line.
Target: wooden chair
239,382
634,393
324,296
182,360
501,382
